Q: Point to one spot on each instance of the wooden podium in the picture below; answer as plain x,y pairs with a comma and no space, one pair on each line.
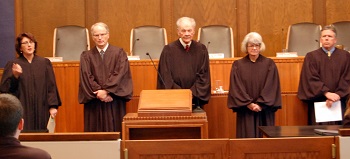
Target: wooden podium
165,114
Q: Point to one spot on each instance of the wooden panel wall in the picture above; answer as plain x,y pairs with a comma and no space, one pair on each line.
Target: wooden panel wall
270,18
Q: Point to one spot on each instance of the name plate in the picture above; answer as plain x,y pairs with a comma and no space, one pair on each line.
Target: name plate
55,59
286,54
216,55
130,58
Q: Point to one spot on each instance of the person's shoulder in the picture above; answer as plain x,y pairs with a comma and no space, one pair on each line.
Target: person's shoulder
34,153
22,151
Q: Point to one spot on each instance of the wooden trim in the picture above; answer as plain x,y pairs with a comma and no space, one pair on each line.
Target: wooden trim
87,136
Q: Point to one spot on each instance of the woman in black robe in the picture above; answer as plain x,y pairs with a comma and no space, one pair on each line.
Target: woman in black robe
254,92
31,78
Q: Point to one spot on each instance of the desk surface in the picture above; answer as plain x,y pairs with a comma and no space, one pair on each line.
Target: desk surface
295,131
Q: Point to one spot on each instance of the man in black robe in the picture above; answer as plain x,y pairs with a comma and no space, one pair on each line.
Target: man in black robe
184,64
254,92
32,80
105,83
325,76
11,124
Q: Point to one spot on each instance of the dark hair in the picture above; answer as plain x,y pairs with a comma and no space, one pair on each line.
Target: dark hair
19,42
330,27
11,112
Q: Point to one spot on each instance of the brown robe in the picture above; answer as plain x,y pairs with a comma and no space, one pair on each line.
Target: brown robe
186,70
36,89
112,73
254,82
321,74
11,148
346,121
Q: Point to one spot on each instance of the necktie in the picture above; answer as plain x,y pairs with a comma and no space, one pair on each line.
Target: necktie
102,53
187,48
329,54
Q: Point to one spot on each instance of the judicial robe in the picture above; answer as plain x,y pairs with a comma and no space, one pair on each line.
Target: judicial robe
112,73
321,74
181,69
35,88
254,82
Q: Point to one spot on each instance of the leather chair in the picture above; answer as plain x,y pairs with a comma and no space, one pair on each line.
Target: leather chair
218,39
147,39
343,34
303,38
70,41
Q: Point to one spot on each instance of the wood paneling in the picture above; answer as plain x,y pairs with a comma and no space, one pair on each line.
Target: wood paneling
337,11
41,17
270,18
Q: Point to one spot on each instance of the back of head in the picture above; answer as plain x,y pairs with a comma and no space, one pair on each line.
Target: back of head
11,112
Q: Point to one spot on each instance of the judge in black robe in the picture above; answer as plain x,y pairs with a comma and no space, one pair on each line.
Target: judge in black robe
182,68
105,83
31,78
325,77
254,91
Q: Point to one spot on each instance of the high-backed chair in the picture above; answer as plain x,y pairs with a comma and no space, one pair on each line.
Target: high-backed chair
343,33
70,41
303,38
147,39
218,39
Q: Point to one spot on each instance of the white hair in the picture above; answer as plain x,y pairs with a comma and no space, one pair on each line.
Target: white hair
255,38
183,20
99,24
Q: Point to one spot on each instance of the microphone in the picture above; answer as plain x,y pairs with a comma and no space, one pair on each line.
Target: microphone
133,45
208,45
160,76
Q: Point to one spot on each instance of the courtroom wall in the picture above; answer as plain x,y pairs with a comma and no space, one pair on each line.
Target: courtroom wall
270,18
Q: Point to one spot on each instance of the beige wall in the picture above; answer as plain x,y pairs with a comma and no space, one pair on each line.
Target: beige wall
270,18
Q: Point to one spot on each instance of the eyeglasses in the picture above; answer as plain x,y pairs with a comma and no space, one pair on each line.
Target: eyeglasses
28,42
253,46
98,35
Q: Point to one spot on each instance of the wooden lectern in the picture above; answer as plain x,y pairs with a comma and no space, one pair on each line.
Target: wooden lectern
166,102
165,114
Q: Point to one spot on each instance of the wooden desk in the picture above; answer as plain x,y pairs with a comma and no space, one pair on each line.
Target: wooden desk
294,131
165,127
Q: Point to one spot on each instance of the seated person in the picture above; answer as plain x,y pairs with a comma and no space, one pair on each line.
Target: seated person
11,124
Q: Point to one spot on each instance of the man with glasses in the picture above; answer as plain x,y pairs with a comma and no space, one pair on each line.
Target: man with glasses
105,83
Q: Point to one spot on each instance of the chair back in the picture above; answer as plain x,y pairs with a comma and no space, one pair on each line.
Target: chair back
343,34
217,38
70,41
303,38
147,39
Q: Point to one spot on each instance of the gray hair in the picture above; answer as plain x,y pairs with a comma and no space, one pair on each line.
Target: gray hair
255,38
181,21
331,28
101,24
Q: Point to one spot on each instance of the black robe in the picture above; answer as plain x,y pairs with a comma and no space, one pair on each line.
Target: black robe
186,70
11,148
112,73
35,88
254,82
321,74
